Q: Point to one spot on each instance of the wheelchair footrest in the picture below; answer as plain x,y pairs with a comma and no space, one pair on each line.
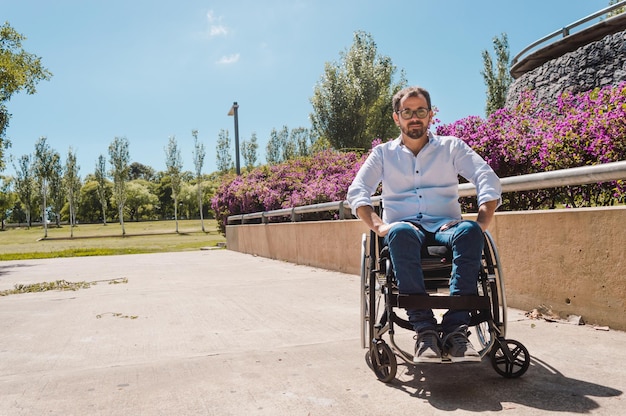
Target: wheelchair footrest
440,302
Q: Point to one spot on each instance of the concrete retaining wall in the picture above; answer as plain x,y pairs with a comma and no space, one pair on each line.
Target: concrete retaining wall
571,261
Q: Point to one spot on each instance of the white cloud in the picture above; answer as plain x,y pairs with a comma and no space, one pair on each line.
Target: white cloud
216,28
229,59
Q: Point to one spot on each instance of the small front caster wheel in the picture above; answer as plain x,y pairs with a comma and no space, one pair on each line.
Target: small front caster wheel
382,361
512,362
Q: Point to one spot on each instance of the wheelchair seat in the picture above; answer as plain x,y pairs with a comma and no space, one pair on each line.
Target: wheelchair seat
436,262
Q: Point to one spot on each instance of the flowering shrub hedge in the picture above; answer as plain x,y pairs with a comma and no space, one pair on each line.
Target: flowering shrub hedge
324,177
584,129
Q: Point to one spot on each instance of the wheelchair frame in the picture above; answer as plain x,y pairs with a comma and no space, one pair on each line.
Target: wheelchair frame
488,310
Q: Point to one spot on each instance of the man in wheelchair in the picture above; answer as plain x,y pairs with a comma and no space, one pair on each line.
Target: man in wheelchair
419,174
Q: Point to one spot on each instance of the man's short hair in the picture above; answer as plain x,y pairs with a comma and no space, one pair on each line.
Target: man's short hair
409,92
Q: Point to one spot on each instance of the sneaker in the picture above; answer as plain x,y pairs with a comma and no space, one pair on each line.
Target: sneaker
459,348
427,349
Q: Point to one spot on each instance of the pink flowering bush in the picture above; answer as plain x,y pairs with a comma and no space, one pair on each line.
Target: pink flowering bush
324,177
584,129
579,130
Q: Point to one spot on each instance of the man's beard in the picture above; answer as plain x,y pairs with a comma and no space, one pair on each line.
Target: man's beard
414,131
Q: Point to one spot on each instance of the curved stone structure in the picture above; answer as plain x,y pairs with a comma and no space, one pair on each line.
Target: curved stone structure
577,63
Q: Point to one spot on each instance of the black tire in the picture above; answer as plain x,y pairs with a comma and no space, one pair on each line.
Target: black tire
383,361
513,364
365,295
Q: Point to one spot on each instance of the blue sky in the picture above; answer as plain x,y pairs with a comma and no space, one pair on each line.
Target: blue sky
150,69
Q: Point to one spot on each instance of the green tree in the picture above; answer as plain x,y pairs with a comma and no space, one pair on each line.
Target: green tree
139,199
174,163
249,150
351,102
273,148
19,70
224,158
303,141
188,199
57,190
279,149
140,171
7,198
164,193
198,162
90,208
119,157
497,79
101,179
44,167
25,185
617,11
72,185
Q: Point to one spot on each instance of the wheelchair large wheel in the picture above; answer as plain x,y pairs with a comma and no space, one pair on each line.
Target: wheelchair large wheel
370,293
382,361
511,363
491,285
372,305
484,331
493,269
364,292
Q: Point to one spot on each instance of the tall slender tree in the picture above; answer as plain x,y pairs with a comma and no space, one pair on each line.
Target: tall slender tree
101,178
57,190
44,165
174,163
72,184
7,198
249,150
498,79
198,161
224,157
25,185
119,158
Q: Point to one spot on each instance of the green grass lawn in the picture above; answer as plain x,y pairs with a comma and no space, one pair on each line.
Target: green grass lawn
99,239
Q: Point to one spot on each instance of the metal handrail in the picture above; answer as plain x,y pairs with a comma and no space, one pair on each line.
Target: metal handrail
565,177
565,31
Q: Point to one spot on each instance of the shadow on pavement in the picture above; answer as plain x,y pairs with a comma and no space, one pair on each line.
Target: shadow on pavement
478,388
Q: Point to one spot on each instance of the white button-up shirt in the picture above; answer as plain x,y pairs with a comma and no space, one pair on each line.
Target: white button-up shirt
423,189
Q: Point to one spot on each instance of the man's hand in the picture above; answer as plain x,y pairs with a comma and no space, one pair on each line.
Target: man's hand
449,225
367,214
382,229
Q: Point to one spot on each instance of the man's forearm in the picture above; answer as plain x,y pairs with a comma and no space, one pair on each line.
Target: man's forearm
367,214
485,214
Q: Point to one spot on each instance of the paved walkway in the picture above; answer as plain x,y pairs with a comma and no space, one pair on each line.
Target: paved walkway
224,333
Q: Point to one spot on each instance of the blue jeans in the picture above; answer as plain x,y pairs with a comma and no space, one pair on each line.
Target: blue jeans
464,239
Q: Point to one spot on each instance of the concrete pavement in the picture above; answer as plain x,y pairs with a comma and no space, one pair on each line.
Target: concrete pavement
218,332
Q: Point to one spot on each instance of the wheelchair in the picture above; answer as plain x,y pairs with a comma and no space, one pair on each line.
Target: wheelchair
381,302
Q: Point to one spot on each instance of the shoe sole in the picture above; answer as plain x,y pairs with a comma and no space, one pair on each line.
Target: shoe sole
426,360
465,359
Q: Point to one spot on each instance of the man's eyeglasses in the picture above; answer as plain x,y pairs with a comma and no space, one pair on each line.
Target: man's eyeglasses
408,114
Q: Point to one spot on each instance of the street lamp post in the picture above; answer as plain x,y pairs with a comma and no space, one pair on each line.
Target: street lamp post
234,112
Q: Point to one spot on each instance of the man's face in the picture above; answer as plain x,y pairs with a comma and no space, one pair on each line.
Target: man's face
413,127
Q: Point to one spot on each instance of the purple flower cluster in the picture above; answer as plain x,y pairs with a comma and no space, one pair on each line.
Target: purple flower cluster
324,177
583,129
580,130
